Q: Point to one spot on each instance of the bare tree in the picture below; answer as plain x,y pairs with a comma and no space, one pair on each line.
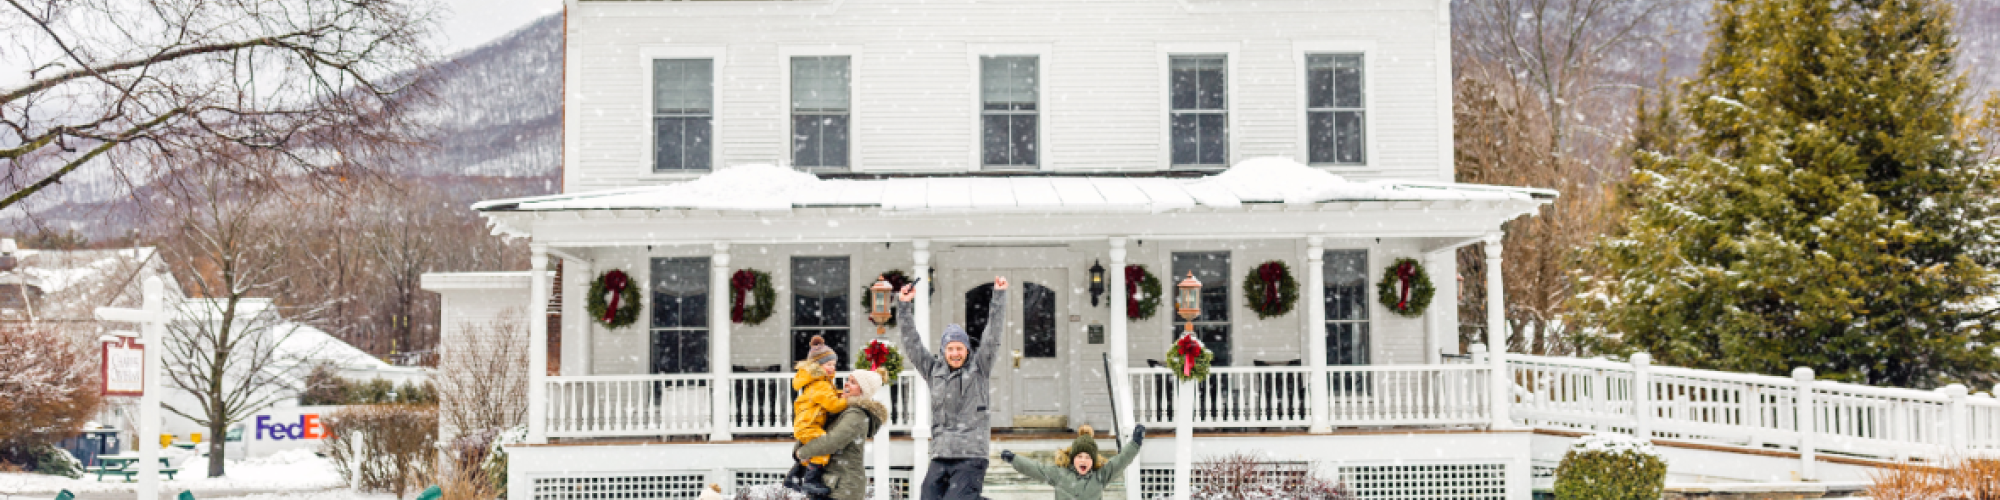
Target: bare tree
227,239
154,79
482,382
1567,52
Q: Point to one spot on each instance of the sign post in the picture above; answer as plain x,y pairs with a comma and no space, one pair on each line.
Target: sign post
152,319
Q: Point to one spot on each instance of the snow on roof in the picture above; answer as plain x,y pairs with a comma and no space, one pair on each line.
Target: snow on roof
299,342
54,271
772,188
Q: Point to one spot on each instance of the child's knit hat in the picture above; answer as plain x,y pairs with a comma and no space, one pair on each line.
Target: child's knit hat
819,353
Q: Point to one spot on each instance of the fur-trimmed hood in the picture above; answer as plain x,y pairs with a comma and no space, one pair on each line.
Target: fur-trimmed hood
878,415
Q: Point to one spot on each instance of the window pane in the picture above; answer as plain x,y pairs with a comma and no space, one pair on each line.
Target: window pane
1347,81
680,292
820,83
1214,139
994,139
1319,130
683,85
836,339
1319,81
819,140
1198,82
1008,80
819,276
680,351
1346,284
1038,312
1216,339
1185,139
681,143
1348,141
1021,139
1346,344
978,301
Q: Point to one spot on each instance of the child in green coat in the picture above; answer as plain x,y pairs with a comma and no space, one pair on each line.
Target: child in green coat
1077,475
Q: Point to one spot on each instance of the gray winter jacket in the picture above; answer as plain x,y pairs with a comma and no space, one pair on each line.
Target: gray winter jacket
961,425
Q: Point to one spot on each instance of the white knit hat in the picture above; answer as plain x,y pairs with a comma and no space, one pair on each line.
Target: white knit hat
869,380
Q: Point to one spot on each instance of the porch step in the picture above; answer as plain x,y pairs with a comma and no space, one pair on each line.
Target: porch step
1003,483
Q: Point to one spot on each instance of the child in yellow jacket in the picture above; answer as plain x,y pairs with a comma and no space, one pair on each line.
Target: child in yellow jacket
816,402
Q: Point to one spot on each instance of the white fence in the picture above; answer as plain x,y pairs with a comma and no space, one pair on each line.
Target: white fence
1355,396
1798,413
667,405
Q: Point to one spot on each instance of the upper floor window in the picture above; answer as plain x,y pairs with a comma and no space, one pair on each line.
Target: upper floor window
820,112
1199,111
1335,110
1009,95
683,114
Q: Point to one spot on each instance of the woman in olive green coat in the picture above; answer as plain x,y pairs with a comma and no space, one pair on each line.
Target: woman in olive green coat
1077,475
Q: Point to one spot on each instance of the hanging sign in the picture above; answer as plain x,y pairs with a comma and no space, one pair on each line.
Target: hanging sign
124,366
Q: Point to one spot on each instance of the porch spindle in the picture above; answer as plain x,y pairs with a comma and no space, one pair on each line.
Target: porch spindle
718,343
1121,380
538,343
1496,333
1315,329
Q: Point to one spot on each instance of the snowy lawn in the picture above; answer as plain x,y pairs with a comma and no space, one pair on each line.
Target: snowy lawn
290,470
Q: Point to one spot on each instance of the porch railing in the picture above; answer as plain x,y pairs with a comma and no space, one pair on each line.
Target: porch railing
1381,395
1752,410
668,405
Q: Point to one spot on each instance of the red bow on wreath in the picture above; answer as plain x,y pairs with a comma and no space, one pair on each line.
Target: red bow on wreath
877,354
1407,274
740,283
1132,276
1273,274
614,283
1189,349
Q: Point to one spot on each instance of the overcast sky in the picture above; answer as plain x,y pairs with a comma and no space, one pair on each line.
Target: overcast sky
468,23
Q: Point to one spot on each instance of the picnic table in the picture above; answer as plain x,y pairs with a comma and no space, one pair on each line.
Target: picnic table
126,465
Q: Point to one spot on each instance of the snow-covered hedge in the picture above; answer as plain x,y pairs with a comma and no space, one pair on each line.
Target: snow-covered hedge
1610,467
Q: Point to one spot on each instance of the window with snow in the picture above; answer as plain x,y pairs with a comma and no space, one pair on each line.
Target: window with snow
1009,95
1212,325
820,112
683,114
1335,112
1199,111
680,315
819,305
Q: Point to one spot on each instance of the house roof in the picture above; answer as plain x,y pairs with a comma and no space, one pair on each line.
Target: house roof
74,283
772,188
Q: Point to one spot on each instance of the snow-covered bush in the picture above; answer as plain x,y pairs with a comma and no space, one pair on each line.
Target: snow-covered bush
1250,477
496,456
398,445
51,387
1610,467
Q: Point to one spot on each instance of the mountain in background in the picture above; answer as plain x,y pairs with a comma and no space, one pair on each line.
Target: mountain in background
498,111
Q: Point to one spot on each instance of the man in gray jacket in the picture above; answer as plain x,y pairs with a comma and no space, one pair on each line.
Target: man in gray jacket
960,422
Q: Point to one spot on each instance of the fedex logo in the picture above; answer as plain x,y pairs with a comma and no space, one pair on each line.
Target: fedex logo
308,427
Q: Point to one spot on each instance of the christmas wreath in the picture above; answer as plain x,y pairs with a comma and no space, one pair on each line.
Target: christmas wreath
1405,288
621,309
881,356
757,286
896,280
1189,359
1142,292
1270,290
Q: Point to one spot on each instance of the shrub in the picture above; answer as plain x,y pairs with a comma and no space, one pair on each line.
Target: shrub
51,387
1610,467
1956,479
398,454
42,458
1240,476
325,387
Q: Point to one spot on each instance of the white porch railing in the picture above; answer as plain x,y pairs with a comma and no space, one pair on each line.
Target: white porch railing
1752,410
666,405
1383,395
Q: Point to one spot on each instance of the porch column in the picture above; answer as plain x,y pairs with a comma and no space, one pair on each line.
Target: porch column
920,426
718,341
1121,364
538,342
1315,337
1496,333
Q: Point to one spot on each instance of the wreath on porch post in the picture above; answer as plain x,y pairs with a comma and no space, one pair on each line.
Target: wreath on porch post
1405,288
1142,292
621,308
1270,290
880,355
1189,359
896,279
757,285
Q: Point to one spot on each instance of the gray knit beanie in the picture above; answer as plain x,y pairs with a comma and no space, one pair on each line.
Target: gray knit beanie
955,333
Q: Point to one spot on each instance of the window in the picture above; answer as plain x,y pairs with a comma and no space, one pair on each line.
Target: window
680,315
819,305
1212,325
1335,118
1199,109
820,112
1346,307
683,114
1038,313
1009,95
978,303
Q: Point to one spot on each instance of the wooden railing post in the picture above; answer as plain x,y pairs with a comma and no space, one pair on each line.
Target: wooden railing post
1808,422
1642,396
1957,419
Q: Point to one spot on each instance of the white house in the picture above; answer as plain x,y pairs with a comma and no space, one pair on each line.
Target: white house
825,143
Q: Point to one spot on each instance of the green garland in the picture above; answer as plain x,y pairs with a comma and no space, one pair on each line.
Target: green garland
1149,294
628,302
764,298
1253,291
1202,363
1390,290
892,366
896,279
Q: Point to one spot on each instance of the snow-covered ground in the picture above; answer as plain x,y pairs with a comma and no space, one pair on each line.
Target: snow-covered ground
288,475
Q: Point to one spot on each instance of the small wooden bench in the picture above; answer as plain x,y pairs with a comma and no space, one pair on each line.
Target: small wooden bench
128,473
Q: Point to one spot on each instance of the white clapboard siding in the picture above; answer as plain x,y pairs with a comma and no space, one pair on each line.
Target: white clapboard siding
914,78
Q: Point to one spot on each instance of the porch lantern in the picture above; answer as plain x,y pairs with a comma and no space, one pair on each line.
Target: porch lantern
1189,301
1096,281
879,309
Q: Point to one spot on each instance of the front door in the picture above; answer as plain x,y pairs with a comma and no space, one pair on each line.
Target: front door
1028,372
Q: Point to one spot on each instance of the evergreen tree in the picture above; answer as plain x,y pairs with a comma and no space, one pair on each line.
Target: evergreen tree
1827,209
